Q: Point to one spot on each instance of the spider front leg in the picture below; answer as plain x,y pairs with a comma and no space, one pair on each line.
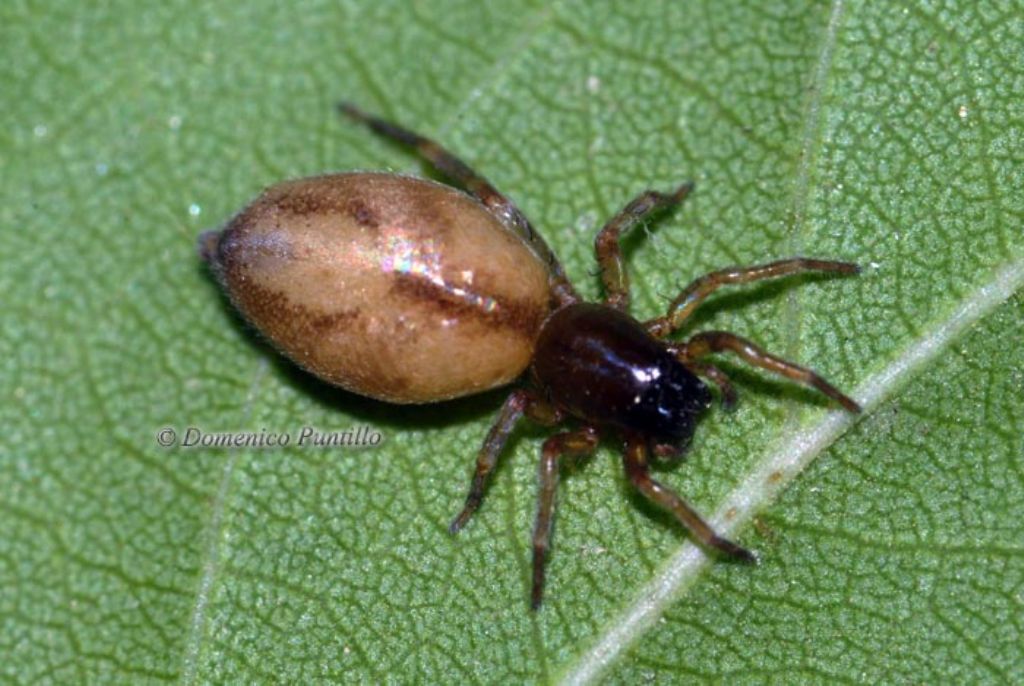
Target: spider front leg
637,470
713,374
609,252
516,405
580,442
718,341
699,290
478,186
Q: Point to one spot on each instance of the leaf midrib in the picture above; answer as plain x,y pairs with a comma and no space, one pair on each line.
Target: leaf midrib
763,484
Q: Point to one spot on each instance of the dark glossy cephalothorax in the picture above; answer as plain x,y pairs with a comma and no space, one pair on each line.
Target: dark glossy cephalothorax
606,371
598,363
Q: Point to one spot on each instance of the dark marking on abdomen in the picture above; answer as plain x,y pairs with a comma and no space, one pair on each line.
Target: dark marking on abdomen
520,315
363,213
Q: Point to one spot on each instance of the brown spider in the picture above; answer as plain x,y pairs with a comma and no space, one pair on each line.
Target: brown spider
409,291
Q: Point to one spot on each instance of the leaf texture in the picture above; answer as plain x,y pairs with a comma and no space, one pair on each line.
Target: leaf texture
890,546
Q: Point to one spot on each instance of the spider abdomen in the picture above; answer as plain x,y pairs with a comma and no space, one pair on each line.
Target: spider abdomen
602,366
393,287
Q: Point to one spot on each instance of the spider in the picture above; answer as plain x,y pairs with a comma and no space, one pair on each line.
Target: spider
409,291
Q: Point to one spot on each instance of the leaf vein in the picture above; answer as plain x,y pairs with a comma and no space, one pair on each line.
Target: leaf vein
760,487
211,565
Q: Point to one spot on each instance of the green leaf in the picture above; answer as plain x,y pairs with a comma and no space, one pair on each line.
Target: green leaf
890,545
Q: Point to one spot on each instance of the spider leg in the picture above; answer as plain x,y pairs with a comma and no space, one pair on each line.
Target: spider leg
708,371
580,442
478,186
699,290
609,252
517,404
637,470
716,341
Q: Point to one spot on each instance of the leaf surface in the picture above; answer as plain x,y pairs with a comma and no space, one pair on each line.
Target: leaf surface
890,546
